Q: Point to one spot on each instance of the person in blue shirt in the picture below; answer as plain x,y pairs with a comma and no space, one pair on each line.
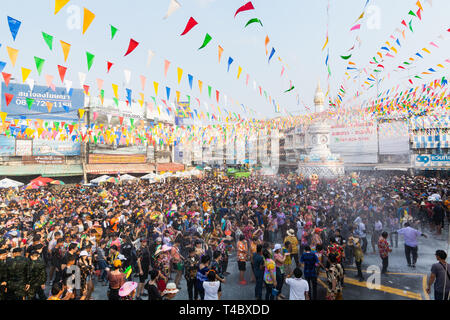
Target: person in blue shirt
309,261
258,269
411,243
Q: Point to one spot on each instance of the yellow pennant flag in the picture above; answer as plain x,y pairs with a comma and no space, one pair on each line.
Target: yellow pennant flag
239,72
395,50
13,53
178,95
25,74
49,106
3,116
59,4
159,112
200,86
180,74
326,42
65,48
155,85
115,88
87,19
426,50
81,113
440,65
40,130
220,52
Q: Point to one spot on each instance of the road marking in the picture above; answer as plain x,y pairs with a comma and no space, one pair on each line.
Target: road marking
398,292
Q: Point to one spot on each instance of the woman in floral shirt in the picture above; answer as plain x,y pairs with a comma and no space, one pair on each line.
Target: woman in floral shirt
269,275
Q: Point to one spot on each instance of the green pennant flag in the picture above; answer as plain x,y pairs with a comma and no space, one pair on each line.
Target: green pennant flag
132,122
206,41
329,70
406,63
253,21
39,64
95,139
346,57
116,101
113,31
154,100
410,26
412,13
56,124
290,89
30,103
189,99
102,93
90,59
209,91
48,39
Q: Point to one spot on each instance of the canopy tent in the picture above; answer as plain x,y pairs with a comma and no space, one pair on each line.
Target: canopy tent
8,183
100,179
149,176
127,177
41,181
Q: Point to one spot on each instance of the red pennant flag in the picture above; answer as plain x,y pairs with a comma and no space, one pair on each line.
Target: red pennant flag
121,120
86,89
109,65
404,23
191,23
217,96
410,81
62,72
6,77
245,7
8,98
133,44
418,14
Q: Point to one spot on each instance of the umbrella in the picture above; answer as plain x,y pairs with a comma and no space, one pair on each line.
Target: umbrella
149,176
58,182
112,179
8,183
41,179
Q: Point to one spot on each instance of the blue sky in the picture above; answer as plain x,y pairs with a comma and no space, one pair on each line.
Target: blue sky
296,29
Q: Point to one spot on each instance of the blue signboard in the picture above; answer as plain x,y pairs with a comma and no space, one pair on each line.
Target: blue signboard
64,106
7,146
41,147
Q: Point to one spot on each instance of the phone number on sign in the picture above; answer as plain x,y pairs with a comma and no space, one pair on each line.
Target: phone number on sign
42,103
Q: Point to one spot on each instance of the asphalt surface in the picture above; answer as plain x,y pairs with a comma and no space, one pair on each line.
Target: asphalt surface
401,282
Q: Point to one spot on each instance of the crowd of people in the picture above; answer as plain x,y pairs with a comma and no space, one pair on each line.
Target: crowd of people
140,240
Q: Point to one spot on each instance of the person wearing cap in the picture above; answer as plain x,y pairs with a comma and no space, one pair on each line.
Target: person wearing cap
440,277
279,258
38,277
294,245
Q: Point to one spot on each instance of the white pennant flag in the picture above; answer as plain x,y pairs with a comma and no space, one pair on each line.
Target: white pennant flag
254,85
225,97
30,83
127,74
206,105
68,84
109,118
173,6
150,56
82,77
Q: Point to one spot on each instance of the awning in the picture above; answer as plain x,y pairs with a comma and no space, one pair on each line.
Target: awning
63,170
112,168
171,166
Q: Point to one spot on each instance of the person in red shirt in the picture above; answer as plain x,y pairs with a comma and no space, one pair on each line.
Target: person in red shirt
383,247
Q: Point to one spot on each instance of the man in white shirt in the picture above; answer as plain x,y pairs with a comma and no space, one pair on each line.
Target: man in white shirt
299,287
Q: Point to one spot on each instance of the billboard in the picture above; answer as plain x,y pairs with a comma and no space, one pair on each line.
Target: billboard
109,158
432,160
64,106
11,147
355,141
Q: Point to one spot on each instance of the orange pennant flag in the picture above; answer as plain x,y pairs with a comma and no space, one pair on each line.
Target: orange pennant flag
87,19
49,106
13,53
200,86
220,52
166,67
266,43
66,49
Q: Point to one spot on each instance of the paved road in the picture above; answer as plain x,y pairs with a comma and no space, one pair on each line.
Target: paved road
401,283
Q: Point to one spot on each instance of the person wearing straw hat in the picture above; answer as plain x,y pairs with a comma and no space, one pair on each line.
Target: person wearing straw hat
128,290
170,292
294,245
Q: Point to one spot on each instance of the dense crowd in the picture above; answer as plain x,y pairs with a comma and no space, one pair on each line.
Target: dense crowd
58,242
